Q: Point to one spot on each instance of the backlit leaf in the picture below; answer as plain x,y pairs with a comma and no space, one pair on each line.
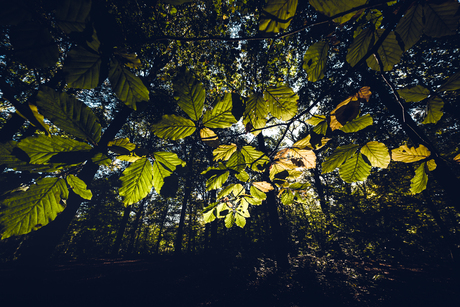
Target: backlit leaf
164,165
433,110
69,114
34,208
242,176
137,181
190,95
377,154
277,15
314,61
221,114
256,159
354,169
410,154
441,19
414,94
316,119
224,152
334,7
82,68
236,162
410,27
121,146
79,187
418,183
282,102
71,15
360,46
339,156
255,112
431,165
389,52
263,186
357,124
174,127
209,137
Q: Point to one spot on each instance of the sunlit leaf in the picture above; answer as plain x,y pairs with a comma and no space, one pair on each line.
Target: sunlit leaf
69,114
316,119
389,52
128,158
339,156
79,187
314,61
82,68
360,46
277,15
410,27
217,176
354,169
137,181
299,157
433,110
263,186
357,124
224,152
190,95
242,176
121,146
229,220
209,137
457,158
377,154
164,165
344,112
128,87
410,154
236,162
221,114
321,128
287,197
282,102
174,127
255,112
34,208
256,159
257,194
431,165
227,190
414,94
418,183
101,159
334,7
71,15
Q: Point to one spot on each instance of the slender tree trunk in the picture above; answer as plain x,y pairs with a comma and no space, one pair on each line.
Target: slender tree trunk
139,214
160,231
121,231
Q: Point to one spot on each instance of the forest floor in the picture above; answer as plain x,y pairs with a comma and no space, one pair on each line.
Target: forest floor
236,281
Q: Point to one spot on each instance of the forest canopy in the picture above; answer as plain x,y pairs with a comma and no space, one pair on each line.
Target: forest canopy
191,113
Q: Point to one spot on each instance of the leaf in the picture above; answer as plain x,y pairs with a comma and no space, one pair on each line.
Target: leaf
190,95
287,197
128,158
277,15
221,114
389,52
255,112
137,181
431,165
71,15
441,19
35,118
457,158
257,194
121,146
263,186
314,61
357,124
282,102
344,112
34,45
242,176
217,176
418,183
174,127
410,27
82,68
224,152
209,137
316,119
236,162
41,148
69,114
242,210
414,94
377,154
354,169
240,221
255,158
227,190
229,220
334,7
79,187
360,46
452,84
101,159
164,165
433,110
339,156
10,156
299,157
321,128
128,87
29,210
410,154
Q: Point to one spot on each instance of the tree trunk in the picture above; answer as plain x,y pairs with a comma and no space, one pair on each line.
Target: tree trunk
139,214
160,231
121,231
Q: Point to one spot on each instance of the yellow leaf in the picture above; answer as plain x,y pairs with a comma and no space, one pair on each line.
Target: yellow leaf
457,158
263,186
209,137
410,154
431,165
224,152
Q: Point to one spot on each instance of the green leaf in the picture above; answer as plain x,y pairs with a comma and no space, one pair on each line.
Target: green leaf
452,84
287,197
414,94
226,191
164,165
69,114
282,102
360,46
334,7
82,68
229,220
377,154
441,19
316,119
321,128
240,221
121,146
221,114
410,154
34,45
418,183
128,87
190,95
354,169
71,15
217,176
79,187
255,113
224,152
357,124
209,137
34,208
41,148
339,156
277,15
174,127
410,27
314,61
210,215
433,110
389,52
236,162
242,209
101,159
255,158
243,176
137,181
